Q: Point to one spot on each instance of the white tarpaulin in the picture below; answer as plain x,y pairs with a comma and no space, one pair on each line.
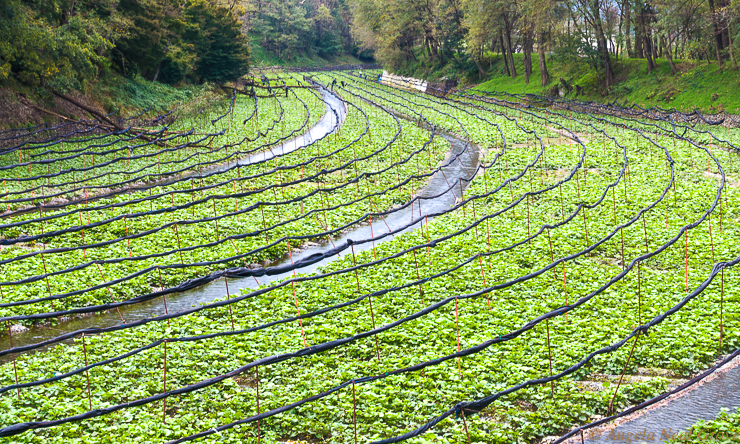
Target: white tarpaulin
403,82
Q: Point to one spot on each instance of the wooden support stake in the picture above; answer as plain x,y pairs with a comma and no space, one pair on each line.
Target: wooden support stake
164,385
15,368
549,354
485,285
621,232
639,294
529,233
429,251
372,236
218,236
370,300
457,336
721,308
110,292
257,378
644,231
686,258
295,298
565,289
552,254
488,234
621,377
562,206
354,409
465,423
87,372
164,296
418,277
228,298
179,247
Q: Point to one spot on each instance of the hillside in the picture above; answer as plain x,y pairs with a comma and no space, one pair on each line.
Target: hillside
698,85
113,93
262,58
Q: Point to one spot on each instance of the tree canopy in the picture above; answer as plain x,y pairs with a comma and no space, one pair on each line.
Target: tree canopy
63,43
599,31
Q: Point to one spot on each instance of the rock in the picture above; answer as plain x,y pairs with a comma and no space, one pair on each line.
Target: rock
18,328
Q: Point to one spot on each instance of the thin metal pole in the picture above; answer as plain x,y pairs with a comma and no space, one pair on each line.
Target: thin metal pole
295,298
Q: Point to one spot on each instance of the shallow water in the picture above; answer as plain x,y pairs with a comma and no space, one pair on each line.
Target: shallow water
679,414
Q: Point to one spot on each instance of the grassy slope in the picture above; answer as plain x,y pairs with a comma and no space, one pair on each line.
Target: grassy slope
112,92
699,86
260,57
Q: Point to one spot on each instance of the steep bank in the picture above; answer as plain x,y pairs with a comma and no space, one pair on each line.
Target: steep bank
22,105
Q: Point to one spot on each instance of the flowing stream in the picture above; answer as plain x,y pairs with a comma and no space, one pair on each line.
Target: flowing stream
676,414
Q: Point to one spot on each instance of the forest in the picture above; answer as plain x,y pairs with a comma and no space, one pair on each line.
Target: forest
465,33
64,43
61,44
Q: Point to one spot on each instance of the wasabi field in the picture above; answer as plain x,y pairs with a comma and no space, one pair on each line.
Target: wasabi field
319,257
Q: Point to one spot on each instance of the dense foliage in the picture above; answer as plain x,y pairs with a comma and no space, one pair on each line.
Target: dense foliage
291,28
63,43
468,34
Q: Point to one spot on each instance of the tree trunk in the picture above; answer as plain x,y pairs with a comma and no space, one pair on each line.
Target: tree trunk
602,45
507,30
656,53
481,73
668,56
503,52
628,43
732,53
648,54
527,46
717,34
156,73
541,56
650,51
96,114
639,28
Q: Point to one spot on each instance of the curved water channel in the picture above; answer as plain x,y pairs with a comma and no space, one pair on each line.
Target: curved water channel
457,173
677,413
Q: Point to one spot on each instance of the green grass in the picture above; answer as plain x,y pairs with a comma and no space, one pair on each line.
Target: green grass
111,92
697,85
126,96
261,57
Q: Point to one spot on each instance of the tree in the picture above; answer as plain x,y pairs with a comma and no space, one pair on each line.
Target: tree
60,45
221,49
